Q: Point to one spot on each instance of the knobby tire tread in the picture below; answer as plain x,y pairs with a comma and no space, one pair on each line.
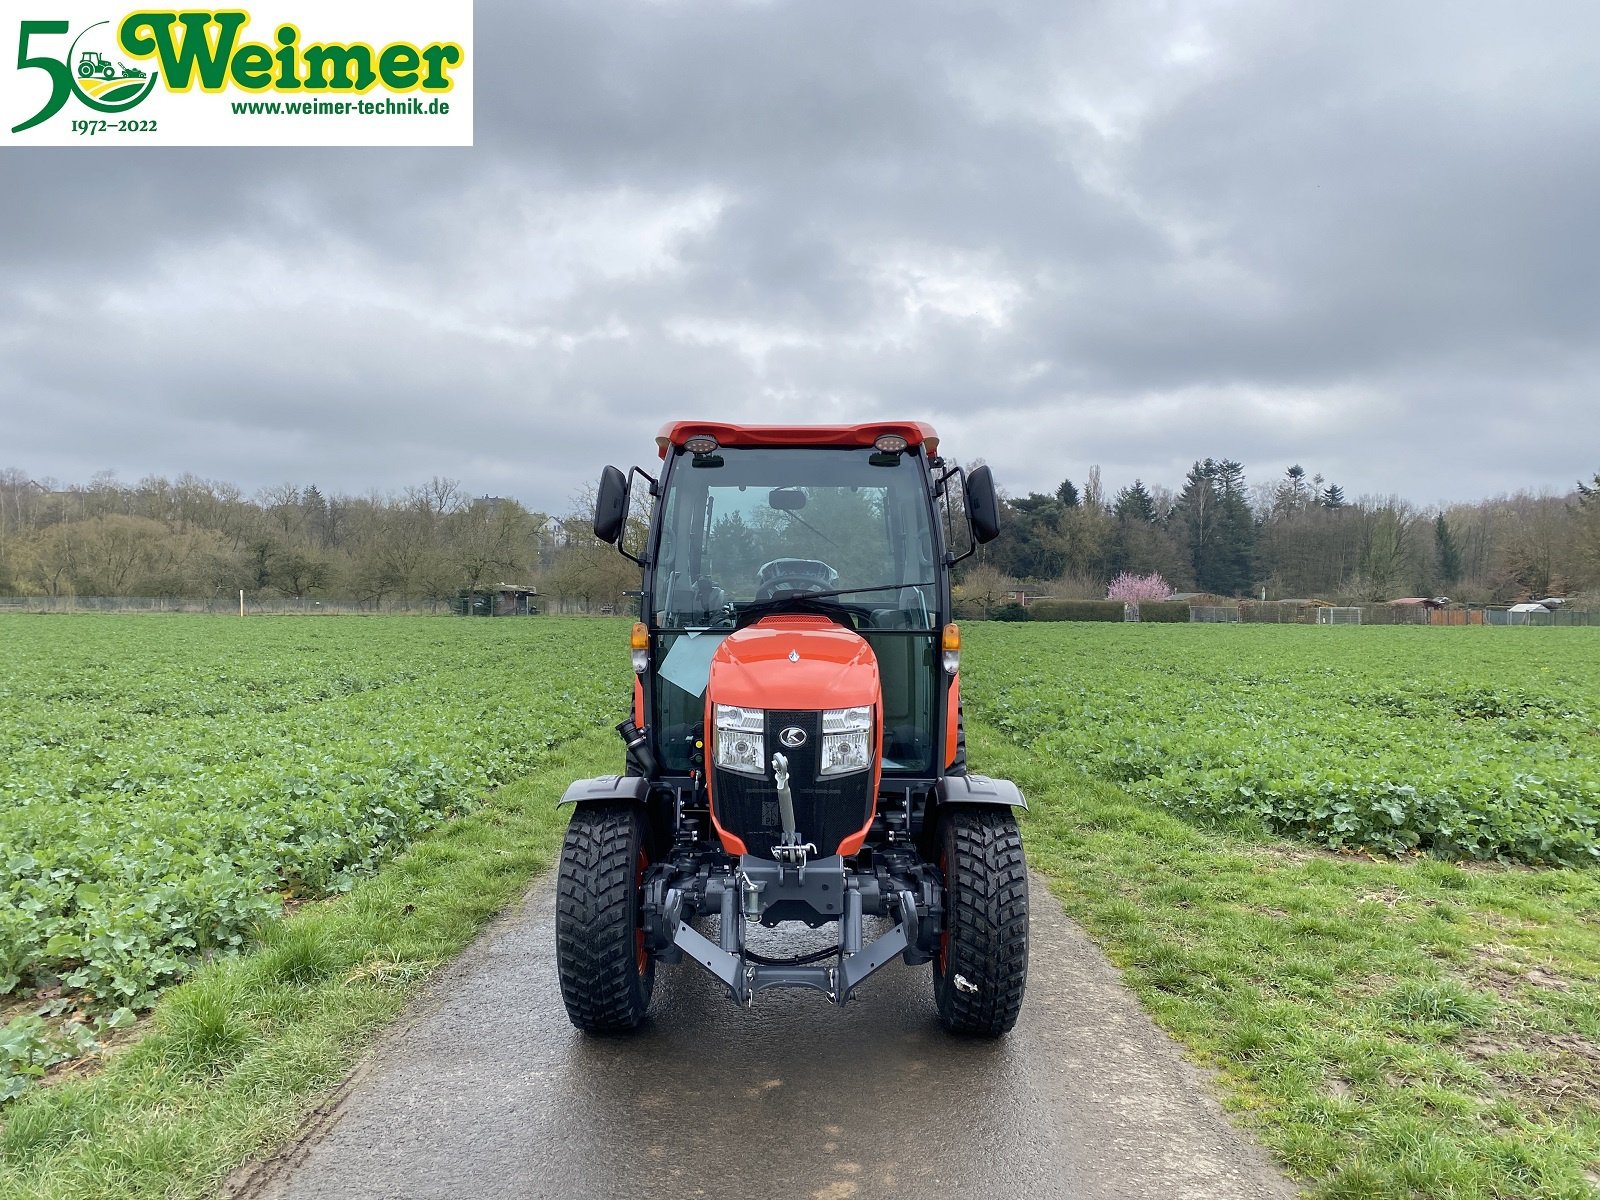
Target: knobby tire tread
596,921
986,902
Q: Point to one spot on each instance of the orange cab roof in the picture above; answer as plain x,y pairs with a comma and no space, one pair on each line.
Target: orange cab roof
916,433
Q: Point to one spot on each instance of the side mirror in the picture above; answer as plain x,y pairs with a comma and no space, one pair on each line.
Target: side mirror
611,506
983,509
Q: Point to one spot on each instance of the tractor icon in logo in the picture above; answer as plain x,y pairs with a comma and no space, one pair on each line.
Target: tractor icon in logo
102,83
94,63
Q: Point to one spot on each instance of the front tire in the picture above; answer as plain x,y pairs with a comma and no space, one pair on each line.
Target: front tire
981,965
607,974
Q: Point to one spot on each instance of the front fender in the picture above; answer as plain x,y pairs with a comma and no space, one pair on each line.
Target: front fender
606,789
977,789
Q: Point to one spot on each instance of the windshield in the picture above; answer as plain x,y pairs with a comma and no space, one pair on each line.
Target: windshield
745,526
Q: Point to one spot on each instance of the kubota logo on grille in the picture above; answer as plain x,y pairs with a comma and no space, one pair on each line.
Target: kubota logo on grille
792,737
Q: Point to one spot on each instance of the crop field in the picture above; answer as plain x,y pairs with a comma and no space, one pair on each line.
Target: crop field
168,782
1468,743
169,785
1390,1023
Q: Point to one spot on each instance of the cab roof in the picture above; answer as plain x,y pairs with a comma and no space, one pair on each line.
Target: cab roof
916,433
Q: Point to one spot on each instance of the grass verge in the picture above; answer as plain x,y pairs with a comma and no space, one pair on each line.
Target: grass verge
235,1057
1390,1029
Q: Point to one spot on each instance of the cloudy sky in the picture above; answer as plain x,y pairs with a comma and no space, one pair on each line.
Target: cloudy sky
1364,237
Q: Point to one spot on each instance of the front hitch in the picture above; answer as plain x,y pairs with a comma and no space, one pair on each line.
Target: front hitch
827,888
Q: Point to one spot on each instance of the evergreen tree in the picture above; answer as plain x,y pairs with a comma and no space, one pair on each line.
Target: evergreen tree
1067,494
1233,570
1217,527
1293,494
1332,496
1195,517
1135,504
316,511
1449,554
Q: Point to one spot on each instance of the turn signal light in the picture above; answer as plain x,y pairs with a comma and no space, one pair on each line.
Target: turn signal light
639,643
952,649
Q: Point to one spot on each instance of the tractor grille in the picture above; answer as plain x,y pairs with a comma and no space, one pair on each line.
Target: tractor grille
826,811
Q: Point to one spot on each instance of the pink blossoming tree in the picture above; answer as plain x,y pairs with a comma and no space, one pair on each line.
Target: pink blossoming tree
1135,589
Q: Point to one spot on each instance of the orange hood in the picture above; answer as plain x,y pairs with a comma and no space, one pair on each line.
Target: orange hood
793,661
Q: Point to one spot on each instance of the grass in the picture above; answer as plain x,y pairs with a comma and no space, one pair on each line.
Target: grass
231,1061
1390,1029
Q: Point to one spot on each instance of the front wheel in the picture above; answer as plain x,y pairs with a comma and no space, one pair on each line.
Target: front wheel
981,964
607,974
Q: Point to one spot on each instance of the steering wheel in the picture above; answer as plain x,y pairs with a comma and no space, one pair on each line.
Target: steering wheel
798,575
801,584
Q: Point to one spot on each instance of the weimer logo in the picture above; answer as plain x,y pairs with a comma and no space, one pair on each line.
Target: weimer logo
229,77
88,72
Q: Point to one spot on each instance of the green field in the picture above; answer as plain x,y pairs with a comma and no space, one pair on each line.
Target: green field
1472,743
1393,1024
166,783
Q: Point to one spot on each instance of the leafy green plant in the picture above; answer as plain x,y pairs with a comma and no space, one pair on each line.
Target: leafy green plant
1459,743
168,783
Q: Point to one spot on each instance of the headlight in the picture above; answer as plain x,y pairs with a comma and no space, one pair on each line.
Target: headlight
846,741
738,742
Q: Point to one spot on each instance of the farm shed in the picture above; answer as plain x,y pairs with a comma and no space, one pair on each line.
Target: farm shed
1525,613
501,600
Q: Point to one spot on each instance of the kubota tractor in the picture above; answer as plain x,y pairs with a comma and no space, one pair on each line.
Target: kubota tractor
795,752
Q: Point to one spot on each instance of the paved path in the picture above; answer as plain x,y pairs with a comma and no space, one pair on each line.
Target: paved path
486,1091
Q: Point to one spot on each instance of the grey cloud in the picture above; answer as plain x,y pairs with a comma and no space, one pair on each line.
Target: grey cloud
1354,237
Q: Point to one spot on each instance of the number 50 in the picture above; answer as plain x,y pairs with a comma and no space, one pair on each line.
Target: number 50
60,76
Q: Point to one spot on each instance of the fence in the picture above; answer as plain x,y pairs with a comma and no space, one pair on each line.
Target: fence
223,605
272,605
1560,617
1396,614
1279,612
1334,615
1273,612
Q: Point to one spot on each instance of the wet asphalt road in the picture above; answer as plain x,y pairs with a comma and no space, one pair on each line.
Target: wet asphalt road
486,1091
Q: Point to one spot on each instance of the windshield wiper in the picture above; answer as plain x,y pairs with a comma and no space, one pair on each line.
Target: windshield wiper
788,596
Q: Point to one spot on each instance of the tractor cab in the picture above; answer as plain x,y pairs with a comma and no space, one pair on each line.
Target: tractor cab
845,533
796,750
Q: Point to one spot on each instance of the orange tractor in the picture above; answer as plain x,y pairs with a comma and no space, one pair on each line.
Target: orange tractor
795,752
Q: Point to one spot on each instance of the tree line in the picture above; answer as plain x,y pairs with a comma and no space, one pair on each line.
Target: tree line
1296,536
200,540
